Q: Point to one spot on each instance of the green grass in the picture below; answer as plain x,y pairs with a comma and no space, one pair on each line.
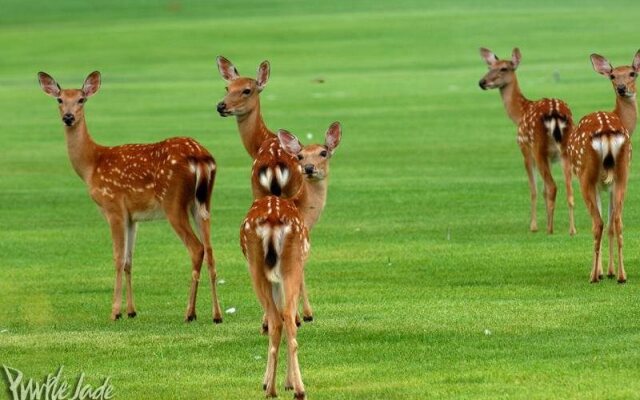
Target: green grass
424,243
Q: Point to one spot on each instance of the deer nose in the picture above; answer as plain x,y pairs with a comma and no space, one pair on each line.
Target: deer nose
622,89
68,119
221,106
308,169
482,84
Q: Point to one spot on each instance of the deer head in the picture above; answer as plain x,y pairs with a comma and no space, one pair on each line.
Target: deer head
70,101
622,78
242,93
501,72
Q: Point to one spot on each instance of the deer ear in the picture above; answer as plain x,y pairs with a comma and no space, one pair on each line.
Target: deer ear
48,84
91,84
601,65
516,57
333,136
488,56
228,71
289,142
263,75
636,62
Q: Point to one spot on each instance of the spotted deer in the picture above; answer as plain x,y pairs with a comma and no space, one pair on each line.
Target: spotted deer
243,101
543,127
275,243
600,152
137,182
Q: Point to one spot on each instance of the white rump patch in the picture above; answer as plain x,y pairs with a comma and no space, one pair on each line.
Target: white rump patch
265,178
282,175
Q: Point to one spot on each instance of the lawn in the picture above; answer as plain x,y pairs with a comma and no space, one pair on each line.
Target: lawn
424,278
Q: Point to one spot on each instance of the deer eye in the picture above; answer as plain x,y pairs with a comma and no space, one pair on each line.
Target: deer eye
59,100
632,74
82,100
246,91
226,88
612,77
300,157
323,153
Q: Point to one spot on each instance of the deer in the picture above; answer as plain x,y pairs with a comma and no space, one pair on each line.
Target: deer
275,242
600,152
171,179
542,131
243,101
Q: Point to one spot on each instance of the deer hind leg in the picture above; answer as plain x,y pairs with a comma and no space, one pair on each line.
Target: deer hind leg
618,199
566,169
275,336
528,166
550,189
130,242
205,236
179,220
118,236
592,200
292,286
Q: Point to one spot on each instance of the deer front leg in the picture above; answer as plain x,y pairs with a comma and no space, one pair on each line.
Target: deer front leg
128,264
618,199
528,166
307,312
566,169
118,233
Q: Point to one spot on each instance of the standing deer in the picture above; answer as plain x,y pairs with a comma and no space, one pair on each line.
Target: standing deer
600,151
543,128
137,182
275,243
243,101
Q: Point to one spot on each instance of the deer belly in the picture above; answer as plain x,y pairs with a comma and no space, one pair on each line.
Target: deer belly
148,214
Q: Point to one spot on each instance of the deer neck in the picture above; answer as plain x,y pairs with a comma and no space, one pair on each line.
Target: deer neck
626,109
82,149
311,201
514,102
253,131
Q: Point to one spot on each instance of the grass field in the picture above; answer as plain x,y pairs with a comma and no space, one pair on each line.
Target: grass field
424,246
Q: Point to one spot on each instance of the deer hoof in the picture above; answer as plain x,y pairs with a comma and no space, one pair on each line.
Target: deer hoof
217,320
307,318
132,314
299,396
190,318
622,281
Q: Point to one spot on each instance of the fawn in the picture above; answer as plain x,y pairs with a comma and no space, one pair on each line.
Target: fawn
275,242
600,151
543,128
137,182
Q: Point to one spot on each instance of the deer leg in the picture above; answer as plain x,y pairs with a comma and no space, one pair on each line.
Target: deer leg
528,166
592,200
275,335
307,312
550,190
618,199
130,241
610,220
118,232
179,220
566,169
205,236
292,286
